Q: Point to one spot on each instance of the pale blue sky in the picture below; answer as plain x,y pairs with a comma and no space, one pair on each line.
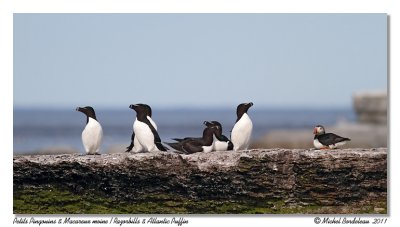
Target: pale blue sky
178,60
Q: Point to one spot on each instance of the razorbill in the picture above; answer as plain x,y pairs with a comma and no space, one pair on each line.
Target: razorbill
221,142
146,134
241,132
134,142
92,134
193,145
324,140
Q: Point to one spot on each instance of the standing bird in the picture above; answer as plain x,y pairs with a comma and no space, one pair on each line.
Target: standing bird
241,132
134,142
324,140
146,134
193,145
92,135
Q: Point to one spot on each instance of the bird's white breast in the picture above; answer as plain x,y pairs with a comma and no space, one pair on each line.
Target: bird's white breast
92,136
317,144
144,136
220,145
241,133
208,148
151,122
137,147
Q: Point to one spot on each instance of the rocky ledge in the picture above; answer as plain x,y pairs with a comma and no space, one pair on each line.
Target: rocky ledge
253,181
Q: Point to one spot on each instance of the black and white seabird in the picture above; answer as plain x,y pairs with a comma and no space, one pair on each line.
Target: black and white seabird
134,142
193,145
241,132
221,142
92,135
324,140
146,134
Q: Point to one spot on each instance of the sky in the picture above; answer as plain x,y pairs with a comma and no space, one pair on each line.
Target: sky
197,60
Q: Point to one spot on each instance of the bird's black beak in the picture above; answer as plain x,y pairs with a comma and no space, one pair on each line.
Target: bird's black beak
78,108
207,123
250,103
132,106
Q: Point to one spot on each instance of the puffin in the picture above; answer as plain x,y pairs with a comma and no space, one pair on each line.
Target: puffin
193,145
221,142
134,142
241,132
92,134
324,140
146,134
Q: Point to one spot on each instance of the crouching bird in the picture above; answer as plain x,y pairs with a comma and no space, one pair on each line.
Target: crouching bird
324,140
220,142
193,145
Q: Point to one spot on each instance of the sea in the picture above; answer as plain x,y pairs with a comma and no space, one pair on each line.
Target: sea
39,129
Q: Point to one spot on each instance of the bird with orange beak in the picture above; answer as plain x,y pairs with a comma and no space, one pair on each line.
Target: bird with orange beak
324,140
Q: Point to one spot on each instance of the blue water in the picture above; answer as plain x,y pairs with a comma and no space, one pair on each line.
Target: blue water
40,128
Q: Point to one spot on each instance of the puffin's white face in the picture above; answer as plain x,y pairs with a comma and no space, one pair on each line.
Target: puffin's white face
319,130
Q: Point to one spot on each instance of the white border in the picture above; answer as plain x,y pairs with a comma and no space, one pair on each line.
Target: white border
8,7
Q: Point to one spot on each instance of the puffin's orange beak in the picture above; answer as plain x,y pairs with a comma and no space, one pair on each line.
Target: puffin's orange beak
315,131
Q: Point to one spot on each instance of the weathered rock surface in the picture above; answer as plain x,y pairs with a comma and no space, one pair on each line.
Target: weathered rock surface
371,106
297,177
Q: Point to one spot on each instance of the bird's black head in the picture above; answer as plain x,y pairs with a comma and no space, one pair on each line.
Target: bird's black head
215,124
207,123
319,130
212,123
88,111
242,109
148,109
143,107
138,108
141,110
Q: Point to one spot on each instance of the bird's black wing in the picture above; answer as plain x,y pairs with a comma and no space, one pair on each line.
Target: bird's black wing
192,146
129,148
186,138
331,138
222,138
176,146
157,139
177,139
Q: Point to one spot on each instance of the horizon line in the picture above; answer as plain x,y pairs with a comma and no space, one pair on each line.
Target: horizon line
186,107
